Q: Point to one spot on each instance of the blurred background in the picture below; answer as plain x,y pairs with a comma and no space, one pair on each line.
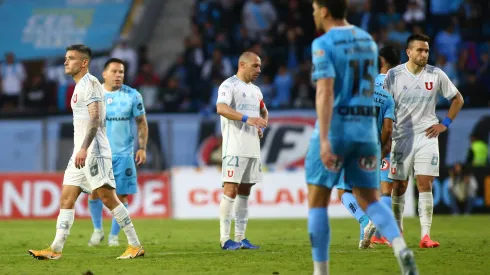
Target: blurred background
177,53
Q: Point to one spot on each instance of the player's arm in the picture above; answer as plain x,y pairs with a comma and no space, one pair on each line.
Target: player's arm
139,114
386,136
450,92
225,97
93,124
264,113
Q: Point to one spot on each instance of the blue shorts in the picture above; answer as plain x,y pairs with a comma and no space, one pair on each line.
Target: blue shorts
342,183
358,160
125,175
385,170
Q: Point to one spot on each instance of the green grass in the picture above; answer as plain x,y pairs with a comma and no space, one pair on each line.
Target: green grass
191,247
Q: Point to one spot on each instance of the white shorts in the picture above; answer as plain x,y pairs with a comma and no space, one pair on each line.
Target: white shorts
414,155
96,173
241,170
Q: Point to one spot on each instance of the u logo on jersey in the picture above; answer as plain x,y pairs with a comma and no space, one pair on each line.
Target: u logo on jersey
429,86
75,98
231,173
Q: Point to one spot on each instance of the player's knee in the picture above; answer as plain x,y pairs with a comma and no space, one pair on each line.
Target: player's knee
123,198
366,196
318,196
108,197
230,189
244,189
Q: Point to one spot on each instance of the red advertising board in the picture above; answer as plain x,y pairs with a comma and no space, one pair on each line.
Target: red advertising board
37,195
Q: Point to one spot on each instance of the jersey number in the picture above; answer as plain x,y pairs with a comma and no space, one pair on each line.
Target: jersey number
231,162
354,64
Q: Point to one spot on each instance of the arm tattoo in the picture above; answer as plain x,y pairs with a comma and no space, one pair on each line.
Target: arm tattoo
93,124
142,131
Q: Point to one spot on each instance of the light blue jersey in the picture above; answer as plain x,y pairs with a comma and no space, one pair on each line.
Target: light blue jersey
385,108
349,56
122,106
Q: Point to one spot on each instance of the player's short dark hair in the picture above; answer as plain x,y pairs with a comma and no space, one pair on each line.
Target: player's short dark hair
417,37
391,55
337,8
114,60
81,49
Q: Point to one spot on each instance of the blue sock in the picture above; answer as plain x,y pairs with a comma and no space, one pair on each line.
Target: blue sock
350,202
319,231
383,218
115,228
386,200
95,208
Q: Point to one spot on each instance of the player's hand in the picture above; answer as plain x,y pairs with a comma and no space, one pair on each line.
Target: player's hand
80,158
140,157
257,122
435,130
328,158
261,133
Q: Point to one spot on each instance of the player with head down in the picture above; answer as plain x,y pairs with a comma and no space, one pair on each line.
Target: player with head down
243,119
345,138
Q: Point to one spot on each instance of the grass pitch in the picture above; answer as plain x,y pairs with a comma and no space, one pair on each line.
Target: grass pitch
191,247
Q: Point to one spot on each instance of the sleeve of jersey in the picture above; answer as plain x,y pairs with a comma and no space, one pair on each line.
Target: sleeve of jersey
446,87
389,79
138,106
322,61
390,108
225,94
93,92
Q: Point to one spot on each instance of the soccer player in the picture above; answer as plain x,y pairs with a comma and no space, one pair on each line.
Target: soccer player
123,103
90,166
415,150
345,62
243,118
389,57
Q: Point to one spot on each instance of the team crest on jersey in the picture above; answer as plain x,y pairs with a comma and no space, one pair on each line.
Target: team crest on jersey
319,53
109,100
385,165
334,165
75,98
429,86
393,170
231,173
368,163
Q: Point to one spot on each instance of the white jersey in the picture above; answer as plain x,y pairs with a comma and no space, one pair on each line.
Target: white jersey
239,138
87,91
416,97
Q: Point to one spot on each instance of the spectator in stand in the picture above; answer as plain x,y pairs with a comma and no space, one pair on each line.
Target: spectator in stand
447,43
128,55
172,96
475,92
12,77
39,94
147,84
259,16
462,187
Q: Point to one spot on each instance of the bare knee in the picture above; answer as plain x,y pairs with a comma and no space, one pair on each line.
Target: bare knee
399,187
424,183
244,189
340,193
386,188
108,197
123,198
69,195
318,196
230,189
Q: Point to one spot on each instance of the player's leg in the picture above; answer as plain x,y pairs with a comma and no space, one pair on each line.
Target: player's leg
95,206
232,172
73,183
386,189
126,184
362,172
320,183
350,203
252,174
101,178
426,166
401,166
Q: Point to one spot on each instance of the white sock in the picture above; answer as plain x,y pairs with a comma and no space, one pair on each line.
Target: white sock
398,206
225,208
398,245
320,268
121,214
241,217
66,217
426,207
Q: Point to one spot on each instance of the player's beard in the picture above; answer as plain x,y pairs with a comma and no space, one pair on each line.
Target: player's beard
421,63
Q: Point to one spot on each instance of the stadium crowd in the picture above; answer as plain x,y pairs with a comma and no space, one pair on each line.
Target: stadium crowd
281,33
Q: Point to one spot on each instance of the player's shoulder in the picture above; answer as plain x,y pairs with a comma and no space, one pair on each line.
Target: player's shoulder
379,80
129,90
395,71
230,82
429,69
